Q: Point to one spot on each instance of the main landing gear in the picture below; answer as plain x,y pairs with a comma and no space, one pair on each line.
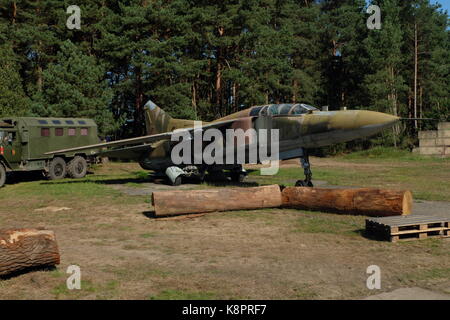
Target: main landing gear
307,169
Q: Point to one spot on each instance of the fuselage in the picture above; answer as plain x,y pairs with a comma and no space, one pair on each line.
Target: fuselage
299,127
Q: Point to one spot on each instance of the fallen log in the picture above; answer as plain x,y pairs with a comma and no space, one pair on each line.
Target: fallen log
169,203
24,249
369,202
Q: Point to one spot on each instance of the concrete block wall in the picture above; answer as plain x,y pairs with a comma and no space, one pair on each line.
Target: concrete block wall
435,143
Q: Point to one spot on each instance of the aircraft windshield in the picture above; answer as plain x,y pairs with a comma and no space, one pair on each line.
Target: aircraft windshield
281,109
301,109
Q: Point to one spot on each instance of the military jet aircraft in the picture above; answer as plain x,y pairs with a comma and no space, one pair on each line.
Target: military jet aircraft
300,127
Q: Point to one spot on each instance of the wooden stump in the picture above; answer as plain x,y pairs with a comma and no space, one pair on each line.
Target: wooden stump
23,249
369,202
168,203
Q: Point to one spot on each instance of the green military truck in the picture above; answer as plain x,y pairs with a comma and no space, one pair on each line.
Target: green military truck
24,140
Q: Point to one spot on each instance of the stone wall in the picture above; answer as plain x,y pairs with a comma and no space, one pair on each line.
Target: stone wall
435,142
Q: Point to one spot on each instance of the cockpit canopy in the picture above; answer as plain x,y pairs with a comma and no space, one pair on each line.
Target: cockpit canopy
282,109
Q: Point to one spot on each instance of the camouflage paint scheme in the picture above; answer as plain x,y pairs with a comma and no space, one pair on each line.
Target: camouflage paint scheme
300,127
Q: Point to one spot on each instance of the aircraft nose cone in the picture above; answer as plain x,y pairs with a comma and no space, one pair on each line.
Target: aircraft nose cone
361,119
374,119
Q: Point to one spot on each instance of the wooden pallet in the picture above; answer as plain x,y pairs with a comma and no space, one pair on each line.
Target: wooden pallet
404,228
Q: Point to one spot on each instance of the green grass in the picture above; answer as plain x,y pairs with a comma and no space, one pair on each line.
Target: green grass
388,153
425,275
183,295
87,286
316,222
90,187
147,235
428,179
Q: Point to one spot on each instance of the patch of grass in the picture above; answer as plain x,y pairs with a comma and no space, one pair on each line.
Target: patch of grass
158,273
305,293
141,174
61,290
316,222
183,295
425,275
56,273
436,247
387,153
147,235
135,185
131,247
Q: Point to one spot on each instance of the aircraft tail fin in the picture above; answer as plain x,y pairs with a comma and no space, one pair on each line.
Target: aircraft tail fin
156,119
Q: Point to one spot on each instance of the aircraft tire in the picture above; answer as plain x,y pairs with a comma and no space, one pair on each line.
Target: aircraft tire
238,177
77,168
57,169
177,181
2,175
302,183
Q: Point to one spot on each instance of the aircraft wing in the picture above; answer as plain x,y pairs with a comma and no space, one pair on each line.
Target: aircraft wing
135,145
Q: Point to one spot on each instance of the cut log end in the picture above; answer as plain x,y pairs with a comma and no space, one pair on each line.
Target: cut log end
407,203
23,249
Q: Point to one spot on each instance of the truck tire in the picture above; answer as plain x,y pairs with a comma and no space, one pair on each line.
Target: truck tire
77,167
2,175
57,169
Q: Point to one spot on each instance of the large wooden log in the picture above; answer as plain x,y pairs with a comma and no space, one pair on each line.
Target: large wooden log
369,202
168,203
23,249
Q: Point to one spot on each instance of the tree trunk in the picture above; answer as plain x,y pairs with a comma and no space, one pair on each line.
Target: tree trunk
14,12
22,249
169,203
370,202
416,58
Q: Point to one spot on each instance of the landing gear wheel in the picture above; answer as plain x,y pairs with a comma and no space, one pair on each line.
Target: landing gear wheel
303,183
177,182
77,167
57,169
2,175
238,177
307,170
300,183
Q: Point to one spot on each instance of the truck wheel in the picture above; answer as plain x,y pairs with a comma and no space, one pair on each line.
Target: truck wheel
77,167
2,175
57,169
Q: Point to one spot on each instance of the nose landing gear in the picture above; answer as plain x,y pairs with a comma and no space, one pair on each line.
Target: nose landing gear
307,170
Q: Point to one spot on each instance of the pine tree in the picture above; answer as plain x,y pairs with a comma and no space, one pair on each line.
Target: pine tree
75,87
13,101
385,84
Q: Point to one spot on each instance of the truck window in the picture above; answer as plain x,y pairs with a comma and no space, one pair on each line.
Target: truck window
84,131
45,132
71,132
59,132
